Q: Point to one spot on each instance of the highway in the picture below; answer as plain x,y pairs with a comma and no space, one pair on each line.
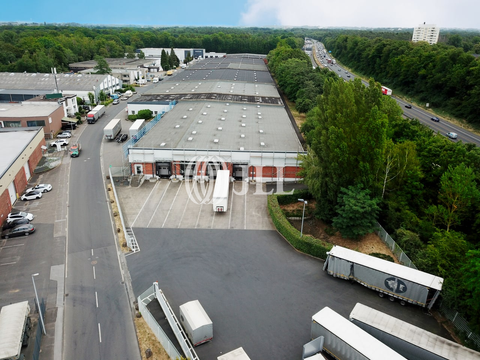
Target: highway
98,320
442,127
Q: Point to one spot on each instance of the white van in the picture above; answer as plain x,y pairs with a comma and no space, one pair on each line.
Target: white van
155,80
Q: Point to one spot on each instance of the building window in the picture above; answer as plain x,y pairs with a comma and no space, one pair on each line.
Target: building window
133,112
12,124
36,123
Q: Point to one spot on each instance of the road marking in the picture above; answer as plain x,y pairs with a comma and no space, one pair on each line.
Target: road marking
171,206
245,211
99,333
156,208
9,246
96,299
92,252
145,203
8,263
184,210
213,219
231,207
94,276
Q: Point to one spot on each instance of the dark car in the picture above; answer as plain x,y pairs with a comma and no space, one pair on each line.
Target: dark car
408,106
119,136
19,230
14,223
434,118
68,126
122,138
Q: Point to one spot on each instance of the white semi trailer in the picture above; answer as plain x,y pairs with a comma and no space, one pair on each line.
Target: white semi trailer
14,327
112,129
406,339
394,280
346,341
221,190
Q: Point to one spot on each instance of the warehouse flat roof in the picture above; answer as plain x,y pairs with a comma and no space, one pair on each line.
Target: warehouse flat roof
223,126
12,144
28,109
112,63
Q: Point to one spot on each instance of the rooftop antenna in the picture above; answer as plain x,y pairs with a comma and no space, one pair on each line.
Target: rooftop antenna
54,72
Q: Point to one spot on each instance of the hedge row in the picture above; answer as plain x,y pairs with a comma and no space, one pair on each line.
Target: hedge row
291,198
306,244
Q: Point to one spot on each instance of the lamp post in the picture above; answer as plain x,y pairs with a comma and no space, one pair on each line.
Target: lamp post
38,303
305,202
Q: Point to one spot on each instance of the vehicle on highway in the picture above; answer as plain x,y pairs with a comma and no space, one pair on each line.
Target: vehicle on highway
61,142
41,187
75,150
452,135
19,215
19,230
64,135
348,75
434,118
116,102
14,223
31,195
408,106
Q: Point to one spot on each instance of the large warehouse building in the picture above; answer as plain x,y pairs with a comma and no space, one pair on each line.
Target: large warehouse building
228,114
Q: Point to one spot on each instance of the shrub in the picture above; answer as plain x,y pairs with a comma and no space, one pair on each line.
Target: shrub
291,198
306,244
132,117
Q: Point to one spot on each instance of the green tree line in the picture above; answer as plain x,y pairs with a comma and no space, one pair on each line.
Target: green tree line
38,48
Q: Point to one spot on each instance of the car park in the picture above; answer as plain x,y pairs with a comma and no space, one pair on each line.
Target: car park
116,102
19,230
19,215
41,187
64,135
408,106
61,142
9,225
452,135
434,118
31,195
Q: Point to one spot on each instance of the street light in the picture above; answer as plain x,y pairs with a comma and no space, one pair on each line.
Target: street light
305,202
38,303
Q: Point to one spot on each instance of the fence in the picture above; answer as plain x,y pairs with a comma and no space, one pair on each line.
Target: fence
393,246
143,300
39,333
462,325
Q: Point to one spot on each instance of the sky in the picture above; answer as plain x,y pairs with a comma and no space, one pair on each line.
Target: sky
246,13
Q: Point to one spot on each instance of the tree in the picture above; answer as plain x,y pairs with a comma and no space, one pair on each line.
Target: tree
102,66
102,96
174,59
357,212
458,191
165,61
91,97
141,55
471,280
145,114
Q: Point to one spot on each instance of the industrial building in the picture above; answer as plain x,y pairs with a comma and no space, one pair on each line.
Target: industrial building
220,113
21,150
426,32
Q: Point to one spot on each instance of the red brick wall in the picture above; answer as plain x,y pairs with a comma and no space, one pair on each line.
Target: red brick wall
35,157
20,181
291,172
5,205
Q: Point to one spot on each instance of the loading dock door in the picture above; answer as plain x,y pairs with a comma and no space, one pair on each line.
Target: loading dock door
12,193
187,170
164,170
212,169
27,171
240,172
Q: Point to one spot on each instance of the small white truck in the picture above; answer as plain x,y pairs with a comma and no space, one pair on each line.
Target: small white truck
221,191
112,129
14,330
195,321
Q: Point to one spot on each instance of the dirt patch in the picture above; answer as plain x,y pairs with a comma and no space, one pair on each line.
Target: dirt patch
299,118
147,340
368,244
118,223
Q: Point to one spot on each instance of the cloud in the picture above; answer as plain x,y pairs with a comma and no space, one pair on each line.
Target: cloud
361,13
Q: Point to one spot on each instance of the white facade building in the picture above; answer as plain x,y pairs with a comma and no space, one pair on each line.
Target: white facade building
426,32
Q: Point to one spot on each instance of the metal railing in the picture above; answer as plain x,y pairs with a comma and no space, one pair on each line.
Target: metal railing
395,249
461,324
39,332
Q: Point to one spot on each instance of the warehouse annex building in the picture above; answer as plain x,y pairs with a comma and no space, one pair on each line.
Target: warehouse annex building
227,114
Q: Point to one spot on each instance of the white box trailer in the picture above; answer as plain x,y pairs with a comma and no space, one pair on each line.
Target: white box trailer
346,341
221,191
388,278
237,354
406,339
136,127
112,129
96,113
14,326
195,321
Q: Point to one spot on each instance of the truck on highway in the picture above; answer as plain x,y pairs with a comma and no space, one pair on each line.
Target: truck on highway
15,325
386,91
112,129
346,341
390,279
96,113
221,190
406,339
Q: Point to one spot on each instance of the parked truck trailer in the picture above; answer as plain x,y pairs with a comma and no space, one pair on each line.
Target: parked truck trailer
346,341
136,127
388,278
406,339
14,330
96,113
112,129
386,91
195,321
221,191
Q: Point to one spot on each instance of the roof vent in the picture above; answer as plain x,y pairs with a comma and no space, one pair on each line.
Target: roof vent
208,106
193,89
227,104
162,144
242,135
194,132
262,144
167,91
190,109
176,84
190,139
200,121
220,128
244,116
241,148
223,119
225,110
215,141
258,106
177,126
260,131
184,116
218,86
204,113
243,125
259,113
244,108
259,117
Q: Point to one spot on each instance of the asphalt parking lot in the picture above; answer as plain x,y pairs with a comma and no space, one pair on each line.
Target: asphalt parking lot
258,291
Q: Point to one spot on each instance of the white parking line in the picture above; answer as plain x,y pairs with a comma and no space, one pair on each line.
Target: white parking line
96,298
231,207
184,210
92,252
199,213
163,195
173,202
99,333
94,275
245,211
8,263
145,203
9,246
213,219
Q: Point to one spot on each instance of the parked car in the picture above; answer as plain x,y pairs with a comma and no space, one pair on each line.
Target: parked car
64,135
116,102
122,138
434,118
14,223
19,230
40,187
124,98
452,135
61,142
19,215
31,195
408,106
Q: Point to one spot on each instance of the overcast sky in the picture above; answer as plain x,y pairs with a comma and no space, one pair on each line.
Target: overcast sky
322,13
